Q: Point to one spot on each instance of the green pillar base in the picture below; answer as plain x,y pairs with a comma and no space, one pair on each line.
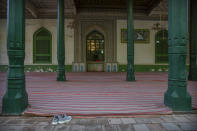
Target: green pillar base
130,72
178,102
61,76
130,78
15,102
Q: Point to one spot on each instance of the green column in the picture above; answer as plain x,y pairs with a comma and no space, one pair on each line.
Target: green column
193,41
177,97
60,42
15,100
130,45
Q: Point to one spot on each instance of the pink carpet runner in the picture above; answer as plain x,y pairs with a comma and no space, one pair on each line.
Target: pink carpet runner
97,94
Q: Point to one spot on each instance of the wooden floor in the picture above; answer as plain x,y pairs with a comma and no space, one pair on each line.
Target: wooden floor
95,93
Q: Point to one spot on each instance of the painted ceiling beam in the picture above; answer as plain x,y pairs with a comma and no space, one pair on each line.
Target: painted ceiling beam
158,13
161,9
152,5
32,9
66,10
3,4
74,7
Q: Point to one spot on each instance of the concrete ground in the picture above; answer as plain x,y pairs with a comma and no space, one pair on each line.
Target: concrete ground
183,122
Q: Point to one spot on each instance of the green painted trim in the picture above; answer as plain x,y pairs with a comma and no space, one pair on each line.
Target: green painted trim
35,37
68,68
38,68
147,68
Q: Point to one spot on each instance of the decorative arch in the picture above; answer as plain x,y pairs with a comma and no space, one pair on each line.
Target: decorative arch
42,46
161,46
96,34
96,28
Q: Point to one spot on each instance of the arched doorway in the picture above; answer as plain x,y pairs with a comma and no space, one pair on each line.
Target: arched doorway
95,51
161,47
42,51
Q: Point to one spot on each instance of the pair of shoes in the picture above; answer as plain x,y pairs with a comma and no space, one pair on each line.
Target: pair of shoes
62,118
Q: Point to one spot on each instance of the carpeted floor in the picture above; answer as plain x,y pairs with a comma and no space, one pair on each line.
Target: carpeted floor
97,93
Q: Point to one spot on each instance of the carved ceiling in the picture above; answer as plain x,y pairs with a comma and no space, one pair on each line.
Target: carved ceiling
48,8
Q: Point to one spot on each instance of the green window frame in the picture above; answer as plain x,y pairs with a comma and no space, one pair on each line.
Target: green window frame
161,47
42,46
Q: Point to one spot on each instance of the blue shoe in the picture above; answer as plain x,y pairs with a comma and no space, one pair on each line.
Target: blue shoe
63,118
55,120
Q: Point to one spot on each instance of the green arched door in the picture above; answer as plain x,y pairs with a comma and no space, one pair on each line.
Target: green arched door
161,47
42,51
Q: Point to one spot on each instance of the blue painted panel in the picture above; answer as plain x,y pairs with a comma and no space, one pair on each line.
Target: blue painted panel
114,68
75,68
82,68
108,68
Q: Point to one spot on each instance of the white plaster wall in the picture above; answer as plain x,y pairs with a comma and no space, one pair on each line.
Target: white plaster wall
31,27
144,53
3,48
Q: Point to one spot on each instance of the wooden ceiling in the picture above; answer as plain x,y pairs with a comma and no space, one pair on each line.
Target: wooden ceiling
48,8
144,6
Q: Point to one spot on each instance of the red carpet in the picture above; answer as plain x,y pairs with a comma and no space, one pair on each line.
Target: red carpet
97,94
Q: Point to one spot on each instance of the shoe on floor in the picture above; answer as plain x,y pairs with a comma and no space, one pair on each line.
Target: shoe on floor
55,120
63,118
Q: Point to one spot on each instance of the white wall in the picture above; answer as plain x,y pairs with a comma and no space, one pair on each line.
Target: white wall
3,48
144,53
31,27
